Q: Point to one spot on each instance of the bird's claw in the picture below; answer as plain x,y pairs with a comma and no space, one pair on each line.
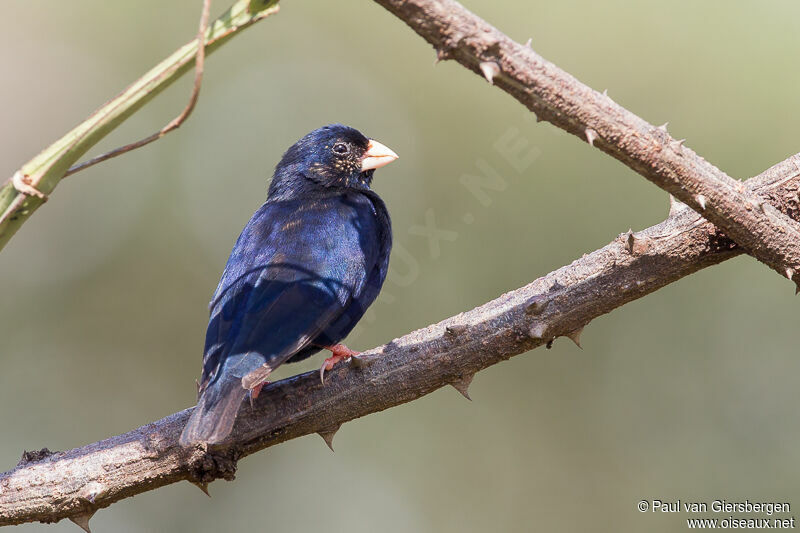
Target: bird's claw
340,353
255,391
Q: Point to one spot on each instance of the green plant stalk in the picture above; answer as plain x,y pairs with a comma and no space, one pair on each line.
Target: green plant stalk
45,170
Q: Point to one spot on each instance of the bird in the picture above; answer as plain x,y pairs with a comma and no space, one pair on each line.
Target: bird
302,273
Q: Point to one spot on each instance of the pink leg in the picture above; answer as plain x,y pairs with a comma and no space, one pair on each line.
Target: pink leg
340,353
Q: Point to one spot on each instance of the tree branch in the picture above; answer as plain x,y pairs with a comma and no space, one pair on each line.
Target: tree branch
74,484
561,99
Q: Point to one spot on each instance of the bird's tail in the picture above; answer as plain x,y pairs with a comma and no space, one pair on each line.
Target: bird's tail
213,417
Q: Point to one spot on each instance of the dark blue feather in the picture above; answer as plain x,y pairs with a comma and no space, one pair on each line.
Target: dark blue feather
300,276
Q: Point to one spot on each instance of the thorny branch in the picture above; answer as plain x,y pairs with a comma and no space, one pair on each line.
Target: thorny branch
75,484
559,98
199,66
48,486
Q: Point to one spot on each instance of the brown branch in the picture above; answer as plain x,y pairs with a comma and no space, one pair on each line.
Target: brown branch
559,98
76,483
199,66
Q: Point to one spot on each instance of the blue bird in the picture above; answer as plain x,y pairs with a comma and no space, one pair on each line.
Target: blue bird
300,276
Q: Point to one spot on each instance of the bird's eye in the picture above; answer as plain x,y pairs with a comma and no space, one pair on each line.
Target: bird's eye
341,148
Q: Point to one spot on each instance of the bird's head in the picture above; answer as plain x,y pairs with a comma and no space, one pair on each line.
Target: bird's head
331,156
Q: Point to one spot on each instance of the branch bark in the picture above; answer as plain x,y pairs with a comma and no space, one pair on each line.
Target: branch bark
561,99
75,484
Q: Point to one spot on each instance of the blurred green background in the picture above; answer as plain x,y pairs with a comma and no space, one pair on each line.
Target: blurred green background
689,393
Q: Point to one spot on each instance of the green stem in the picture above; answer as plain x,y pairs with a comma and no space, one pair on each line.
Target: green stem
44,171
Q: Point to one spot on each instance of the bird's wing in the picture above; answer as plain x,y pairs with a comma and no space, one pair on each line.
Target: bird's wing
293,271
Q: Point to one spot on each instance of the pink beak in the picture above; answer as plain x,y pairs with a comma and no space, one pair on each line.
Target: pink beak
376,156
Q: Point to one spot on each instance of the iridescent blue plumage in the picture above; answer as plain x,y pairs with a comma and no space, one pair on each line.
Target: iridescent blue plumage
300,276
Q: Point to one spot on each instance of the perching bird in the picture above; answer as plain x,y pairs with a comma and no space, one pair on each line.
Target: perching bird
300,276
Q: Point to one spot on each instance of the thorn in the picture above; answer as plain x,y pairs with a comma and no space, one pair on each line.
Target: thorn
550,343
605,93
528,42
82,520
678,142
490,70
441,55
575,336
328,434
790,273
591,135
637,245
196,382
202,486
701,201
663,127
462,385
536,305
455,330
675,206
630,240
538,118
538,331
762,206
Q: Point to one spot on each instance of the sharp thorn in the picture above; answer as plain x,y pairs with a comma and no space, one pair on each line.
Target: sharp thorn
328,434
663,127
528,42
790,273
490,70
202,486
455,330
630,241
591,135
575,336
322,374
605,92
462,385
675,206
679,142
82,520
441,55
701,201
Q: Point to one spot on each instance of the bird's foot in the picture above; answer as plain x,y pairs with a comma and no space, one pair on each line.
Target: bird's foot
255,391
340,353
